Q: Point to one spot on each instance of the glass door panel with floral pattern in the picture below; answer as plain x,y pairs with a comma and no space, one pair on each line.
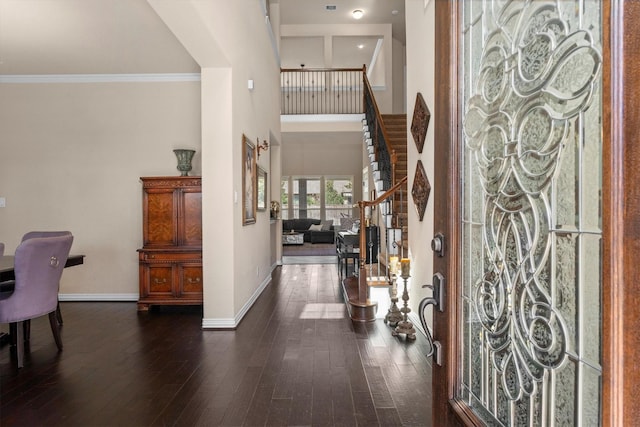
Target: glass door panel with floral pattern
531,162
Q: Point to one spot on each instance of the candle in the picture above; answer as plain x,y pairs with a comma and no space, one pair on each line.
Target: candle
393,264
405,265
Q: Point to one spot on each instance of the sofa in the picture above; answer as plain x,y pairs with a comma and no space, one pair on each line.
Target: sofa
315,231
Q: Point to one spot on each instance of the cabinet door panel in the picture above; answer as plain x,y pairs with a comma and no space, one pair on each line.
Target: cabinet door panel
191,279
159,222
192,218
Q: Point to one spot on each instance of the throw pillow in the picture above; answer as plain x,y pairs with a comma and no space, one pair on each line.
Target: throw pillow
315,227
346,223
326,225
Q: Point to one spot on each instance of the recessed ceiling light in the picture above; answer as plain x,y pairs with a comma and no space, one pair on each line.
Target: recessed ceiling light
360,46
394,12
330,7
357,14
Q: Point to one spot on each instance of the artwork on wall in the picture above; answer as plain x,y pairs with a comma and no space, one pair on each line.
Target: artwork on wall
420,190
420,122
248,181
261,187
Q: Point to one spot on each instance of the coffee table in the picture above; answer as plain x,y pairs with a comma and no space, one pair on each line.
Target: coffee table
292,238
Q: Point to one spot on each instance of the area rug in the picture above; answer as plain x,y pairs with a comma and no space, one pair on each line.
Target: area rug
309,249
288,260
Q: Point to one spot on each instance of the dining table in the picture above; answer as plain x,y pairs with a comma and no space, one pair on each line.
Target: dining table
7,277
6,266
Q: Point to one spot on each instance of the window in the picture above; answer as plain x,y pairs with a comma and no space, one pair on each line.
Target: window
306,197
338,198
284,197
319,197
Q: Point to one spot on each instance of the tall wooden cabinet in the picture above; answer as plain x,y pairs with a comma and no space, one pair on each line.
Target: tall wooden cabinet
170,260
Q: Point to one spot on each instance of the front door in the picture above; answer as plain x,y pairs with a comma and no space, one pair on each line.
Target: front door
530,188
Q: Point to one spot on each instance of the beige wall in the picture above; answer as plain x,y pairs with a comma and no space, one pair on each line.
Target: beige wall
420,78
71,155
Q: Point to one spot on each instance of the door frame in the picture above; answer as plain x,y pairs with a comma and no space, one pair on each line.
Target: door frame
620,213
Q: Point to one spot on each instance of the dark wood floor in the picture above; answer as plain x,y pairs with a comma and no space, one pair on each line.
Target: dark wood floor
296,359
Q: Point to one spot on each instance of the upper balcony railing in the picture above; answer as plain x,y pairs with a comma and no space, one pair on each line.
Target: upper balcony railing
322,91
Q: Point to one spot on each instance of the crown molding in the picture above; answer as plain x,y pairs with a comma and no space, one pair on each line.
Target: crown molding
100,78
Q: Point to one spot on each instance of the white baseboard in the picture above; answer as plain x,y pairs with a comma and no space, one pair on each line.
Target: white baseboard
215,323
232,323
98,297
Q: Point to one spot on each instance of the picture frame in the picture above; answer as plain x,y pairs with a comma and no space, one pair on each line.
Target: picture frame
261,190
248,181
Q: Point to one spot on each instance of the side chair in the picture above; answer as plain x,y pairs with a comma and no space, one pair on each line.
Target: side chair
31,235
38,266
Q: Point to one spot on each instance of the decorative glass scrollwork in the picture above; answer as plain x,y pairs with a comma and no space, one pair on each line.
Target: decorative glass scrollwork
535,76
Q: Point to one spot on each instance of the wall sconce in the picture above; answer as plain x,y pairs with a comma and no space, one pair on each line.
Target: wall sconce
264,146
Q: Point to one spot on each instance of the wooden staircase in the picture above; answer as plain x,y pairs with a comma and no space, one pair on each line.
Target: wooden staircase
361,308
396,126
385,137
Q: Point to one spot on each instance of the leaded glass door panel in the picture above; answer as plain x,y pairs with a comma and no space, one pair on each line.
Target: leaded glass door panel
529,219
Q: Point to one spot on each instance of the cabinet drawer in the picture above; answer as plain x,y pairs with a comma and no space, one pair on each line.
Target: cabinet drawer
170,257
191,279
160,279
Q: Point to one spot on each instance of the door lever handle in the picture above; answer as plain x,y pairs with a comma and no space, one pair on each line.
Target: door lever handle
437,301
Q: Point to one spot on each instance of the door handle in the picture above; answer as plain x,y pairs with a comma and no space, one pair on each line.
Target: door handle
437,301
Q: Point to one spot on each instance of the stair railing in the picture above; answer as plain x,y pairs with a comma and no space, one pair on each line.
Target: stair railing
321,91
376,136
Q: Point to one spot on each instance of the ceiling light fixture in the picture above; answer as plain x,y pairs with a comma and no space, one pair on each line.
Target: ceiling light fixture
357,14
360,46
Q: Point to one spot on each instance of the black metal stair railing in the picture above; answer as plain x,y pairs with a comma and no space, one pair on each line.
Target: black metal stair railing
321,91
378,135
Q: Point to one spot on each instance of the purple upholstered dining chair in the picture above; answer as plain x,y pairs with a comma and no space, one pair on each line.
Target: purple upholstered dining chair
31,235
38,266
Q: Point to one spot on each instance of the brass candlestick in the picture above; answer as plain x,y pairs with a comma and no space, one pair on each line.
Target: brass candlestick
404,326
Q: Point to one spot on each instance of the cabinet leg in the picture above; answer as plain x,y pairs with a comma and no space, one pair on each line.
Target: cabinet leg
143,307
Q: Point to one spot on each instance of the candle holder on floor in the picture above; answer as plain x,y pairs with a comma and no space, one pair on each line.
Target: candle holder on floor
394,315
405,326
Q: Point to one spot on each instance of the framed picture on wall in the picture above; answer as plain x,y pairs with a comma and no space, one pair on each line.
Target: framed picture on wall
248,181
261,187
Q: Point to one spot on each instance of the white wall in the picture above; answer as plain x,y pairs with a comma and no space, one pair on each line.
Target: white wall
71,155
420,78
